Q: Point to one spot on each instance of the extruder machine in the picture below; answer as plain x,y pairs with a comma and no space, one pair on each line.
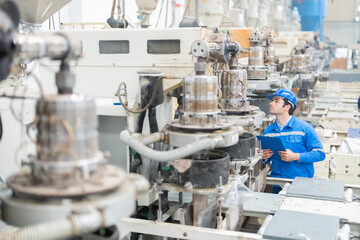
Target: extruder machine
203,166
263,75
66,188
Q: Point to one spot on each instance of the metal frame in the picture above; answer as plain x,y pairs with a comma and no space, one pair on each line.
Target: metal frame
128,225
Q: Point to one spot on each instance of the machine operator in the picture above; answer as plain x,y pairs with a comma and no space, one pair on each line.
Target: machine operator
299,138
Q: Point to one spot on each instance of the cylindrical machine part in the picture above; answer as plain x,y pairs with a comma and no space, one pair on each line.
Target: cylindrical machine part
270,59
151,83
67,138
146,5
200,102
202,169
270,55
244,149
300,63
233,88
55,46
256,56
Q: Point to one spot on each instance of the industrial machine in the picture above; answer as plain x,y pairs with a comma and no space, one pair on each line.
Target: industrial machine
262,71
67,187
180,99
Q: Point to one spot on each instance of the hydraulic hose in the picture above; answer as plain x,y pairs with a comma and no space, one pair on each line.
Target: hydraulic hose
166,156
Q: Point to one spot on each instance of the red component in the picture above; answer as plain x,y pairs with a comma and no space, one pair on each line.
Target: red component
177,5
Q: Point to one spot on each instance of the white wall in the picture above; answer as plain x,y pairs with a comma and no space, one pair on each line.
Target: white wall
339,24
99,11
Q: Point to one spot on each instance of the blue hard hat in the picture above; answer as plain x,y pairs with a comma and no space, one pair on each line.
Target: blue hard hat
284,93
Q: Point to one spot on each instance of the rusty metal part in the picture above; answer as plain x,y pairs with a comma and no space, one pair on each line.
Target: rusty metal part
209,165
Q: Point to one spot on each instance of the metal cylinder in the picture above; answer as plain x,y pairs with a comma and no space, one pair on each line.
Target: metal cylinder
256,56
300,63
270,56
67,139
233,88
200,102
55,46
244,149
202,169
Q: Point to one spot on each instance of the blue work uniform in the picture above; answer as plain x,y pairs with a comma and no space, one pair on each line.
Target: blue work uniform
300,137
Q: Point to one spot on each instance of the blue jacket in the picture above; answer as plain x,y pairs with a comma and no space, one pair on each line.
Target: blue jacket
300,137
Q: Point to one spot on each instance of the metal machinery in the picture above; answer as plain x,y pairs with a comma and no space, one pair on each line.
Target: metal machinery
192,158
198,128
146,7
261,69
301,69
332,108
219,199
67,189
292,214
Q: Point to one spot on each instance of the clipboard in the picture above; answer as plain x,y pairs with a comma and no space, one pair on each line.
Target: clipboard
273,143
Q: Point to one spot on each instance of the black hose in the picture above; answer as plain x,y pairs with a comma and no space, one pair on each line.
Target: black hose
1,128
152,99
135,163
153,120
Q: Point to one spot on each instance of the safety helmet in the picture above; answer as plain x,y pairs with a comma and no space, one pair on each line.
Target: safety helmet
284,93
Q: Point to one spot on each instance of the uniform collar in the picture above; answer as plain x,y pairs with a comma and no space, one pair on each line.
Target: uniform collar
290,124
282,126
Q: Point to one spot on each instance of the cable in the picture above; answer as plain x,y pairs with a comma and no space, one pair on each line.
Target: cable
157,22
153,96
1,128
166,13
53,22
113,8
186,9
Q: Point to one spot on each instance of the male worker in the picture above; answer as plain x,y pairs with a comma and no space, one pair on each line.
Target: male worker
299,138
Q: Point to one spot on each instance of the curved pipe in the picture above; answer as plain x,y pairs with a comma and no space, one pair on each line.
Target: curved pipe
142,149
152,138
291,81
59,228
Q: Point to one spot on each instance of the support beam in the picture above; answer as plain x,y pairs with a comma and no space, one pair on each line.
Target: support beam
127,225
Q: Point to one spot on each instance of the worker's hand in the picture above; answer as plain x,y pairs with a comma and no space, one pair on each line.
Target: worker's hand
289,156
267,153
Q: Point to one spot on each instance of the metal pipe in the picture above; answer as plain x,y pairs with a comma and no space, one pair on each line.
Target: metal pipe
54,46
59,228
178,153
245,123
123,11
291,81
265,224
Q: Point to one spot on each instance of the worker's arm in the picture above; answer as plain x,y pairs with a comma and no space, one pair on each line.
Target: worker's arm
315,150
